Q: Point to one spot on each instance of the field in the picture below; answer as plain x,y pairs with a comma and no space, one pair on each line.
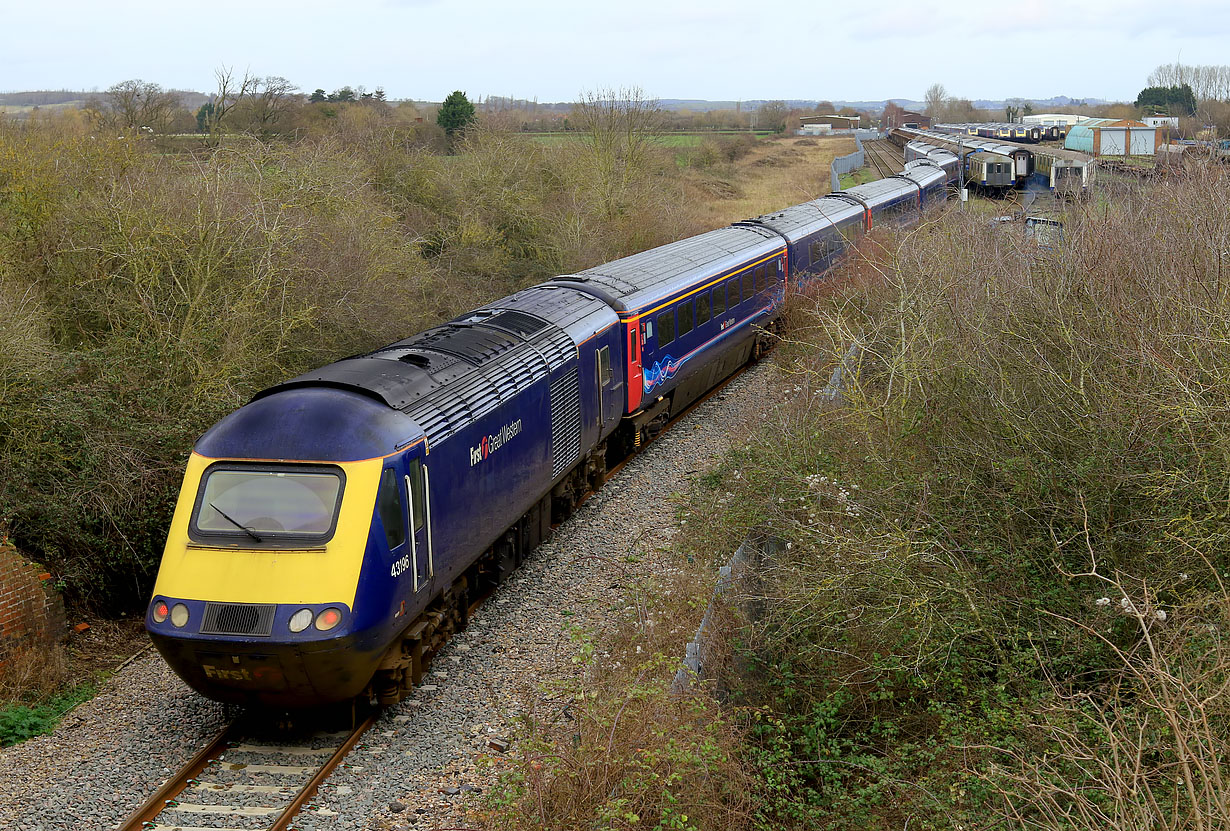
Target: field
771,176
665,140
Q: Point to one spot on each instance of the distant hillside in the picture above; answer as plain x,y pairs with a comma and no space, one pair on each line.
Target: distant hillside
42,97
63,98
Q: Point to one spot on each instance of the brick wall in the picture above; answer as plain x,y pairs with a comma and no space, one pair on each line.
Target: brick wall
31,611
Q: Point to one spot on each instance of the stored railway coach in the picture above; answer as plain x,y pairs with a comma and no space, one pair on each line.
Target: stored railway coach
990,170
946,160
1066,177
1022,158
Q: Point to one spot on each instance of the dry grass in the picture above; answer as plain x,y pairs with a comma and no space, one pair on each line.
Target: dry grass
776,173
1005,598
33,673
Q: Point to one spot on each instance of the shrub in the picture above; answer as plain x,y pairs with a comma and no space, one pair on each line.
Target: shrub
1026,424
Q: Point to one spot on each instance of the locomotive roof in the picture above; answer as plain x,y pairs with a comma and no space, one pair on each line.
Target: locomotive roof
638,282
881,191
923,172
448,376
800,221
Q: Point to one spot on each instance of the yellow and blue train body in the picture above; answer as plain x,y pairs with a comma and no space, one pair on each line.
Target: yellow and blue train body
358,495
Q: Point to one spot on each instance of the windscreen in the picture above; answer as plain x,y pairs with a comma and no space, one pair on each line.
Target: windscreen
281,503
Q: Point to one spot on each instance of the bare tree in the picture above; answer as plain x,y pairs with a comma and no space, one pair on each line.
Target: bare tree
229,93
265,105
136,104
937,99
622,125
772,115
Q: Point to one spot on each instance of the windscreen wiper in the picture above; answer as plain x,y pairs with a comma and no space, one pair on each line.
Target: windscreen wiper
236,523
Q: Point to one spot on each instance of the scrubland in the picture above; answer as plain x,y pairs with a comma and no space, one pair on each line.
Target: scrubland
146,292
1000,595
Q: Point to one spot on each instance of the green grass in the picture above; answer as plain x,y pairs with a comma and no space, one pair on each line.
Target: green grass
858,177
19,722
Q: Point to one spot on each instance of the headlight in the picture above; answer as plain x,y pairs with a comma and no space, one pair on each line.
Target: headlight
160,611
300,620
327,619
179,614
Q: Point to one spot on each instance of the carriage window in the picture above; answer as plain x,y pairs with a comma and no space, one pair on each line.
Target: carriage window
747,286
719,301
604,366
666,328
758,276
732,292
685,318
771,273
389,506
702,308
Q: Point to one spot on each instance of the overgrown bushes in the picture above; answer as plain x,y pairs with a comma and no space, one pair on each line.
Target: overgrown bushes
1003,599
146,295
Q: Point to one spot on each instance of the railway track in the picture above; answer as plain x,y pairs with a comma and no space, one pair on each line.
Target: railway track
882,157
249,772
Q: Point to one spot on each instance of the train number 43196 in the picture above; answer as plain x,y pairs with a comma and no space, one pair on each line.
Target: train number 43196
400,567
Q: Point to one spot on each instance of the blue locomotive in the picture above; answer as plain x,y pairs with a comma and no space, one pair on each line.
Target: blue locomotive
330,534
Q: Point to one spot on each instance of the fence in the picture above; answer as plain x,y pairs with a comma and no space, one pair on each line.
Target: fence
847,164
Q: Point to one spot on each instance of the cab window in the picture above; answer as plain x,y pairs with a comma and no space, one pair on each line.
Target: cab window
268,503
390,509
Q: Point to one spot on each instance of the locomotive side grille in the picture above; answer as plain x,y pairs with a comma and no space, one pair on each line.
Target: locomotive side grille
237,619
565,422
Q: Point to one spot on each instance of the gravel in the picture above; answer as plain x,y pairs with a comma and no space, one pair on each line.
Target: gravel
419,766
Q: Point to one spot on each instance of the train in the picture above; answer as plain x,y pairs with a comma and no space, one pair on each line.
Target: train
1028,133
1064,176
989,172
332,533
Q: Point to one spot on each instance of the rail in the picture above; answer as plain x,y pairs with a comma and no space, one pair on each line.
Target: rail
295,784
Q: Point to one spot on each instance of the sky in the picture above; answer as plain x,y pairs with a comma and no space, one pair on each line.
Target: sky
555,51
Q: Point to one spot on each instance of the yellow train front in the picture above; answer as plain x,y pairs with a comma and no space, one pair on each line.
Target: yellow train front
255,602
329,533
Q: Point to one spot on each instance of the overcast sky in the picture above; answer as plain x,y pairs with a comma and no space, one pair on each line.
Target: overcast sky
553,50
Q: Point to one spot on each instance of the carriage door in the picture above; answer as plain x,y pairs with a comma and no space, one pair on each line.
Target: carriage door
422,553
604,377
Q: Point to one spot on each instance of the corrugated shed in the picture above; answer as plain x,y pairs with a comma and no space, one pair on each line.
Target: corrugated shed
1087,136
1080,137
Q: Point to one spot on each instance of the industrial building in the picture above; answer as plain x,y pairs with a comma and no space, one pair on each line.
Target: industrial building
1113,137
1067,119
